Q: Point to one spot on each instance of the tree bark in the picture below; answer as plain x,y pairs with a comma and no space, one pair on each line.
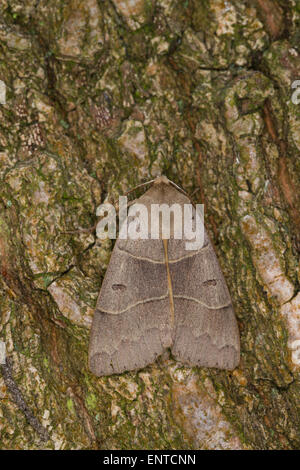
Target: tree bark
100,96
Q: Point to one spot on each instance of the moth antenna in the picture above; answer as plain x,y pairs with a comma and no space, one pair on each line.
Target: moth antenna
138,186
116,205
81,230
179,189
184,192
159,179
194,192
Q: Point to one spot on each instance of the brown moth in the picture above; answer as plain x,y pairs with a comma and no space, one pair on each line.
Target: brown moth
158,295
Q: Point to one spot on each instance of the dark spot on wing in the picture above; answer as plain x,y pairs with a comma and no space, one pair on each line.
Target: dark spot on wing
118,287
210,282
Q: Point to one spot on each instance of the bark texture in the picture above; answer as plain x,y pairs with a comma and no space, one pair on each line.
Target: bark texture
100,96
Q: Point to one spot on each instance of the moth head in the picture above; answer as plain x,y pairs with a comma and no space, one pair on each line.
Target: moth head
161,179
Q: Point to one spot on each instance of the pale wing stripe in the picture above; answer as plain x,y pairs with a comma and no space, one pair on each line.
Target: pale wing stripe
185,297
143,258
151,299
163,297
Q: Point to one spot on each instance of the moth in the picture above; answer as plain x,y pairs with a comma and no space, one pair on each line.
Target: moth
156,295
